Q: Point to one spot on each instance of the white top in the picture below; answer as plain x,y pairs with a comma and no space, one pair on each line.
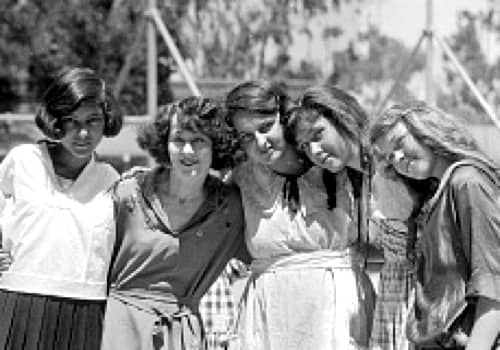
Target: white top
61,239
273,232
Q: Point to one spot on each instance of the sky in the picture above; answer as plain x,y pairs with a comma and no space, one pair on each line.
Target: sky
405,19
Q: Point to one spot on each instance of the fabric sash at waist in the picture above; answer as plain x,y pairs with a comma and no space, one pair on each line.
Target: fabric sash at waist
169,311
320,259
164,304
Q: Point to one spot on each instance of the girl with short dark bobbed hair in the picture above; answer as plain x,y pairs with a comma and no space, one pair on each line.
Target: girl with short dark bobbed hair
60,229
69,90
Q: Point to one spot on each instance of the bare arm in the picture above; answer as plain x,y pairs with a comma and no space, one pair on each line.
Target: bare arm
486,326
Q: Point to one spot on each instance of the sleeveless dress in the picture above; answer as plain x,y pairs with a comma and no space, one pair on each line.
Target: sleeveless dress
305,290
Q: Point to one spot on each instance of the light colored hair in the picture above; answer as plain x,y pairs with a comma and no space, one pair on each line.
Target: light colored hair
441,132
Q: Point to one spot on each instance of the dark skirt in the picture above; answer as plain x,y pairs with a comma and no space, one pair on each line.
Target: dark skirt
38,322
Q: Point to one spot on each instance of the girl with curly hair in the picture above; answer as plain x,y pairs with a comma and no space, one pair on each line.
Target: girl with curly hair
457,300
177,228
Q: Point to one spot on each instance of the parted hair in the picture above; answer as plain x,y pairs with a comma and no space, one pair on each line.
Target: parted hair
70,88
340,108
195,114
261,97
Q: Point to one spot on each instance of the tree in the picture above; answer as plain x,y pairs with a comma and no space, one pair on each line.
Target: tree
456,97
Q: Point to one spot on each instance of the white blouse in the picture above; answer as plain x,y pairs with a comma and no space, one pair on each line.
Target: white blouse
60,237
273,231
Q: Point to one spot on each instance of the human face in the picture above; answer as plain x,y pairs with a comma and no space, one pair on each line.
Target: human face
262,136
190,152
400,149
323,144
83,130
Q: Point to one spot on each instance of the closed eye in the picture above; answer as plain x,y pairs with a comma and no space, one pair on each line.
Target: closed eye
245,137
265,127
304,147
317,136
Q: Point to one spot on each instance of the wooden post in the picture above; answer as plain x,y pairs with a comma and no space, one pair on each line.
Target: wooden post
152,63
174,51
429,71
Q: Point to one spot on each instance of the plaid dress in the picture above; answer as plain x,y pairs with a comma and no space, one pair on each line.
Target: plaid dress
397,279
218,311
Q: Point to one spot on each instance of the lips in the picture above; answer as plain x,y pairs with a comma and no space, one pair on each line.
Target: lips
188,162
82,145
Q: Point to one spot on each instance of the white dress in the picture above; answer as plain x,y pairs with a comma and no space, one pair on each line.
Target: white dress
305,287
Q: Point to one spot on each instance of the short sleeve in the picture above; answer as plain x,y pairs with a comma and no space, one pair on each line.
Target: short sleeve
477,213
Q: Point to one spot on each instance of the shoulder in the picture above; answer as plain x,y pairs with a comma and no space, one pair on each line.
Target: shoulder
232,193
224,195
25,151
471,175
107,171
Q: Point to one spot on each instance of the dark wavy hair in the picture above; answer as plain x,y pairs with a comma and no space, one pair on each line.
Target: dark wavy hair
347,116
68,91
196,114
261,97
340,108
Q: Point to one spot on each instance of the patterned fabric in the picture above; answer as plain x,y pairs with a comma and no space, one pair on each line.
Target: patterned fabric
396,282
217,309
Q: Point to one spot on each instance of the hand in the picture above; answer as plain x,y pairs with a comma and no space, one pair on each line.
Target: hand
133,171
460,338
5,260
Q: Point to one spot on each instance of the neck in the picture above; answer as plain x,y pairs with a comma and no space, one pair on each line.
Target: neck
354,160
290,163
185,187
64,163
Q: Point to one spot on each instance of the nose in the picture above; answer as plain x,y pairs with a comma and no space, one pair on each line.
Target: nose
261,141
83,132
314,148
188,148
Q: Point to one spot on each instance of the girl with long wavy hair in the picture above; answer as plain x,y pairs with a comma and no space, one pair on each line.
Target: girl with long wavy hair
457,300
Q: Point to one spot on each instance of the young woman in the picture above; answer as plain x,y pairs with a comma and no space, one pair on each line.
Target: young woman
458,279
177,227
60,229
329,127
305,290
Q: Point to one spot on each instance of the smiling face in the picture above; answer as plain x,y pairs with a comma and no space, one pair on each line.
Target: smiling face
190,151
323,144
83,130
400,149
262,136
